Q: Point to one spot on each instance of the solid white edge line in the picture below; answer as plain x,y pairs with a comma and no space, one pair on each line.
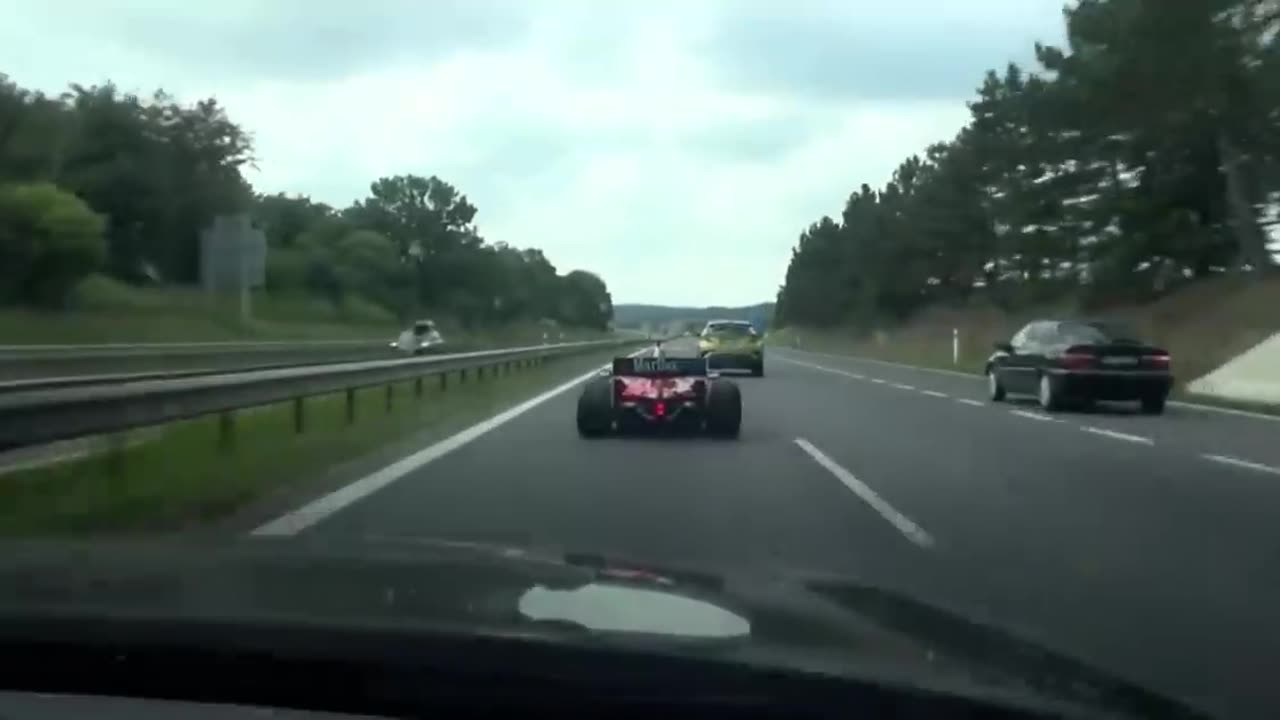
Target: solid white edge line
1033,416
860,358
292,523
967,401
833,371
1224,411
973,376
904,525
1118,435
1237,462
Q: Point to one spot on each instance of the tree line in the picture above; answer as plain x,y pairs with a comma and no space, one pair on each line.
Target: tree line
1142,156
96,180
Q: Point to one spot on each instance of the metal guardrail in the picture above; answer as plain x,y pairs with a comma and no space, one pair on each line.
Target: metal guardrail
31,362
106,378
23,366
40,416
53,383
98,350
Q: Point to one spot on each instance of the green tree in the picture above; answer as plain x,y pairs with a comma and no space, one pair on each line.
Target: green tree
49,241
1142,155
368,264
160,171
585,301
283,218
430,221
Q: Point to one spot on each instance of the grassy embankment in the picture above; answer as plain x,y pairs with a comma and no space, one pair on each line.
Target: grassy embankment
1203,326
103,310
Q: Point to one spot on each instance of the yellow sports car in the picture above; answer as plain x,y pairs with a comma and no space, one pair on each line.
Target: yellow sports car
732,344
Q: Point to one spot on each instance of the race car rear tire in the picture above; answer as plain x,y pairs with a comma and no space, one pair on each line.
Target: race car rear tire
757,370
595,408
724,409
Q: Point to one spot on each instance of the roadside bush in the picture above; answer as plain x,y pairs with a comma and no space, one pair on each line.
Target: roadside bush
103,292
287,270
49,241
358,310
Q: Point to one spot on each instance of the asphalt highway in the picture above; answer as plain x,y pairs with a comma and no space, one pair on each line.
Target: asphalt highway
1147,546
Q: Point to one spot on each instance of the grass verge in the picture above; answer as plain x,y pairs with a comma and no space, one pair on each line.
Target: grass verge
183,479
937,354
920,354
104,310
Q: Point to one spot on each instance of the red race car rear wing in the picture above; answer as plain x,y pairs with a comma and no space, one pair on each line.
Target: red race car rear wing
652,367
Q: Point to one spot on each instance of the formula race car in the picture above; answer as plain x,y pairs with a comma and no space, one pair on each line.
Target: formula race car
656,393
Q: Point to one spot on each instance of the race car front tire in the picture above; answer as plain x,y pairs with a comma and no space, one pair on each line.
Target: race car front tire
724,409
595,408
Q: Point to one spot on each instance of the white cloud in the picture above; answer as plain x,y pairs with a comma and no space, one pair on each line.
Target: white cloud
668,227
611,140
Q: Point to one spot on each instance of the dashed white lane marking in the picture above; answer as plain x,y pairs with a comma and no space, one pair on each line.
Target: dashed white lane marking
934,393
313,512
974,403
878,381
1118,435
859,358
1228,460
900,386
833,371
905,525
1034,416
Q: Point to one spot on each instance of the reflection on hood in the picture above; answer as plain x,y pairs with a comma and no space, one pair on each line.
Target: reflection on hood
620,608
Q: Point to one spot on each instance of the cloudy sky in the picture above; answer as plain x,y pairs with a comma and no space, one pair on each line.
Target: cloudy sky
676,148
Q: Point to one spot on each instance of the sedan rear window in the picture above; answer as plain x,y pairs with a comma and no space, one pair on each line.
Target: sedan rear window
731,330
1093,333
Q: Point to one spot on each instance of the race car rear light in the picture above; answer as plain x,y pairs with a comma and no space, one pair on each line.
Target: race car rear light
659,409
1078,360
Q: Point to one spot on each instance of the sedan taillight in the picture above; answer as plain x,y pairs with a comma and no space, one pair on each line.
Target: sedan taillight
1078,361
1159,360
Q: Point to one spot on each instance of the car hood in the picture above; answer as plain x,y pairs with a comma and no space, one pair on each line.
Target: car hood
803,622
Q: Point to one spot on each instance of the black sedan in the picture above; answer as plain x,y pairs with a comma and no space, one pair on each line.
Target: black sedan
1065,362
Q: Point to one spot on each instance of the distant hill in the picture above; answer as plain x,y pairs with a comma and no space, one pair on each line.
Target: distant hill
663,316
